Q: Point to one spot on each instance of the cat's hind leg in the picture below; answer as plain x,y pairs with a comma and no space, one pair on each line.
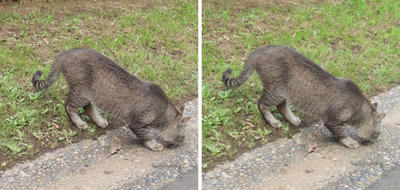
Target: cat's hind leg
92,112
73,102
289,115
268,99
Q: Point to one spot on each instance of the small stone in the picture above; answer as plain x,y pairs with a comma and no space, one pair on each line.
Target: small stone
108,171
354,162
309,170
156,165
23,174
10,179
75,153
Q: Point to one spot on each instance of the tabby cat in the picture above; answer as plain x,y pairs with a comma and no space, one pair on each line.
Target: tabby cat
289,78
96,81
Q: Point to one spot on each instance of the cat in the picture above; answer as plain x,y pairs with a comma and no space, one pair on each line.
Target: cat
290,78
97,82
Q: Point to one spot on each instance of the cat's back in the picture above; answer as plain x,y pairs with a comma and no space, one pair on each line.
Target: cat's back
282,62
91,66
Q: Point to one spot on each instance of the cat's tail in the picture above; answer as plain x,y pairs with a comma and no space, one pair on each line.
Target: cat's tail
243,76
43,84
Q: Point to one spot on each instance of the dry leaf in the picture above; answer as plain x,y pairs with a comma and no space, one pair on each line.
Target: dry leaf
309,170
311,147
249,124
55,125
115,147
225,37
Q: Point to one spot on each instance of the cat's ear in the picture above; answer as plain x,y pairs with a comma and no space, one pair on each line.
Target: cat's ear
180,109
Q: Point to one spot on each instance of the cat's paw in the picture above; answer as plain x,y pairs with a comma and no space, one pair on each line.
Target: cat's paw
103,123
275,123
349,142
295,121
154,145
81,125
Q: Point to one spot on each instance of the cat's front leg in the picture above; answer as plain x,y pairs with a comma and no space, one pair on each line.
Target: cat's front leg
150,135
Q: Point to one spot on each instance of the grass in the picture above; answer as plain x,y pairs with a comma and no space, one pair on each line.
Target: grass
355,39
156,41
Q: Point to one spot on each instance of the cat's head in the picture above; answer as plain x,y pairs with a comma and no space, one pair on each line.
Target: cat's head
172,134
368,130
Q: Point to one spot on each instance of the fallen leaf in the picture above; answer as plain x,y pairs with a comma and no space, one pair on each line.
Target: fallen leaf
115,147
311,147
55,125
225,37
108,171
250,124
309,170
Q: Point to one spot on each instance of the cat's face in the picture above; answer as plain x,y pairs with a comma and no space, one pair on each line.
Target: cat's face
172,134
369,129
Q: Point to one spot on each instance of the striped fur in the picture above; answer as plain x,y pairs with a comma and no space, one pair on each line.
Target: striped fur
242,78
41,85
290,78
95,81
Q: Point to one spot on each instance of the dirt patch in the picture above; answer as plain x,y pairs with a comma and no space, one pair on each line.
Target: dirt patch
251,4
79,6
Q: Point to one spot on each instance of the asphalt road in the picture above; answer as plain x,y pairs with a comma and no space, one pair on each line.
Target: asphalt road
390,180
186,182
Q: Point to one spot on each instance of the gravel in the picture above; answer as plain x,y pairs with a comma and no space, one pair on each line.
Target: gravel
132,167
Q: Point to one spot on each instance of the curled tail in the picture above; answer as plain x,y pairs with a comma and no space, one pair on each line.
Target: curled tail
40,85
242,78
